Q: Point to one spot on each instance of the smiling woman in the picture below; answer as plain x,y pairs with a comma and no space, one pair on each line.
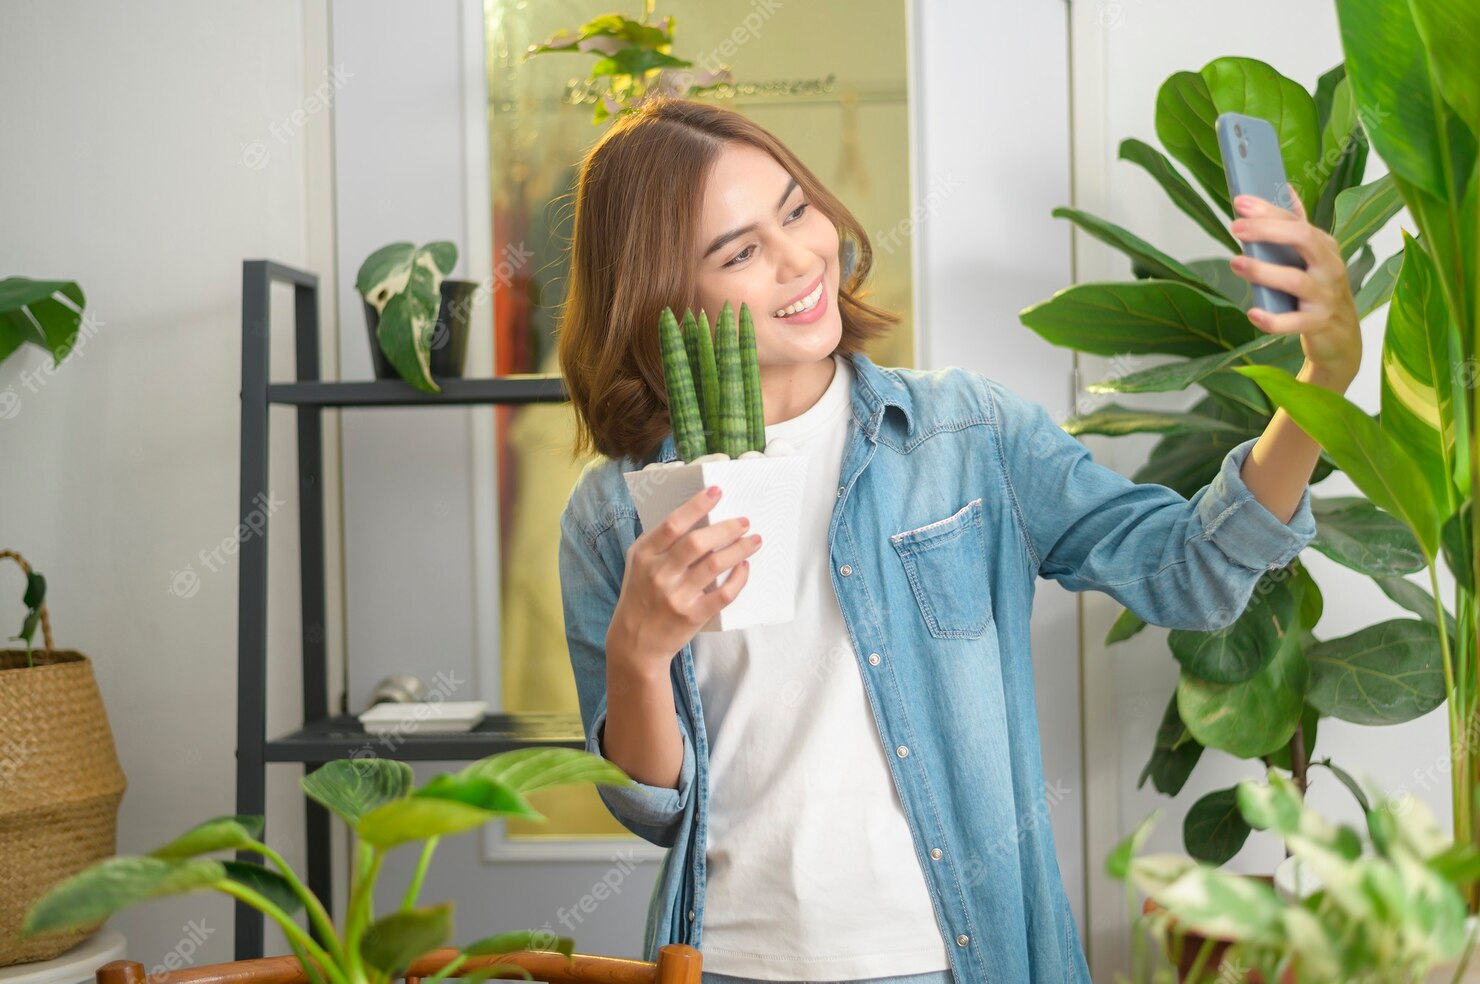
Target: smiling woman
731,214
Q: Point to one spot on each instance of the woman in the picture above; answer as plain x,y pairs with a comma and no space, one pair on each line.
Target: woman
858,794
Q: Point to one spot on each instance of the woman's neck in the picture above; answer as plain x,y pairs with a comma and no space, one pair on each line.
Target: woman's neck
789,391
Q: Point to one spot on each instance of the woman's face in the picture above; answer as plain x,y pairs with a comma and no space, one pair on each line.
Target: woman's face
763,244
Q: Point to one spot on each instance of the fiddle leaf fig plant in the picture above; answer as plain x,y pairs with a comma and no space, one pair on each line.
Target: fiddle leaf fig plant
403,283
1258,688
384,810
635,60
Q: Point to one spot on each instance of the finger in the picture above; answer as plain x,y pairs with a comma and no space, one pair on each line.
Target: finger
698,542
1288,279
1286,323
1292,195
1252,206
1315,247
681,520
701,575
725,593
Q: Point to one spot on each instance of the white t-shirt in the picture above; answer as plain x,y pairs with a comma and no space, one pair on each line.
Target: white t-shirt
812,872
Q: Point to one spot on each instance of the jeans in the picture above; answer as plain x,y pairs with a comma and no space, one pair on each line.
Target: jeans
932,977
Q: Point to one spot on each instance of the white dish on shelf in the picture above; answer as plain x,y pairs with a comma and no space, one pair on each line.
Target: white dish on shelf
424,717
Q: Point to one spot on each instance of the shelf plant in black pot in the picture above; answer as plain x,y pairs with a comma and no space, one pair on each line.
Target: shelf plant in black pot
417,316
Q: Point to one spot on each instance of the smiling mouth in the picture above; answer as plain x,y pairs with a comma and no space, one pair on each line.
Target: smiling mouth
805,304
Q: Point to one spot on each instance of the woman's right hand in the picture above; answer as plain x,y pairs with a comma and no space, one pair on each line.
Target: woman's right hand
666,595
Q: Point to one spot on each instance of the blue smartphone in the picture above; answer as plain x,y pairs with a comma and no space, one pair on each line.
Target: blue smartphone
1253,165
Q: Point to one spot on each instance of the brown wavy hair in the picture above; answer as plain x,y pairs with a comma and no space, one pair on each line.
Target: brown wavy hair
637,209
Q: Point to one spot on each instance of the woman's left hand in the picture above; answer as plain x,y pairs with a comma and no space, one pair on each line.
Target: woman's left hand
1326,313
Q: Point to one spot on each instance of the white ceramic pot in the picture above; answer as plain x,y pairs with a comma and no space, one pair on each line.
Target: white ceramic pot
767,489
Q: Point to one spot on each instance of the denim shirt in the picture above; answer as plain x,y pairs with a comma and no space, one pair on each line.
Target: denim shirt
955,495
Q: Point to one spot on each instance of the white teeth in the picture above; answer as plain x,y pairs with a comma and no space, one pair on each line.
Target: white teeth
805,304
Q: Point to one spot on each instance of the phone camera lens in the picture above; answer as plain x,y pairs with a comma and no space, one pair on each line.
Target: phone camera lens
1243,150
1238,131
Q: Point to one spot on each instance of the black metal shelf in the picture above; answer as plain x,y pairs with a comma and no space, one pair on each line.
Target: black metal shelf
513,388
323,737
342,736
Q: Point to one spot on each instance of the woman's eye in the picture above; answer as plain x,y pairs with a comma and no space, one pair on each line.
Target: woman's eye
742,255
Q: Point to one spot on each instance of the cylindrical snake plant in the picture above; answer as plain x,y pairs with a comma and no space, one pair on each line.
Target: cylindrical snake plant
714,386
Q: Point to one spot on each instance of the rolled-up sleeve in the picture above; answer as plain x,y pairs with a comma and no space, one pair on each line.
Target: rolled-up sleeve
590,583
1174,561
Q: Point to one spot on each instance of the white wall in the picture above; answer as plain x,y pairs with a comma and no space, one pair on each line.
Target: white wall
142,159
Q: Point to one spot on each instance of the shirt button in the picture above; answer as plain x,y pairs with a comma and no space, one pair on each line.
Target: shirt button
691,915
963,939
902,751
845,570
840,491
935,854
873,659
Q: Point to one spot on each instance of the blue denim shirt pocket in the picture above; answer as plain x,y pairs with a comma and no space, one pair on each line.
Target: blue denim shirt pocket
945,562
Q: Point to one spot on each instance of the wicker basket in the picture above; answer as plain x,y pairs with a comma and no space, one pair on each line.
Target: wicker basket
60,786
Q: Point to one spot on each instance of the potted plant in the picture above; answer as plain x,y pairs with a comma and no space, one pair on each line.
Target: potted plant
635,60
714,403
1386,907
417,316
1270,659
46,313
60,781
377,799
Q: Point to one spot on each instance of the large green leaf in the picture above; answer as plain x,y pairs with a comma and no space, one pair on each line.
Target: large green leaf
228,833
1173,754
1379,287
1126,624
1309,728
1186,462
1395,93
1237,652
1325,93
1213,829
1227,283
403,284
1251,718
1115,420
480,791
1369,456
1182,194
351,788
392,942
417,818
1153,260
1360,212
47,313
525,770
1344,150
1386,673
1451,33
1179,375
1415,599
113,885
1143,316
1419,350
1252,87
1188,104
266,883
1356,534
1358,268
